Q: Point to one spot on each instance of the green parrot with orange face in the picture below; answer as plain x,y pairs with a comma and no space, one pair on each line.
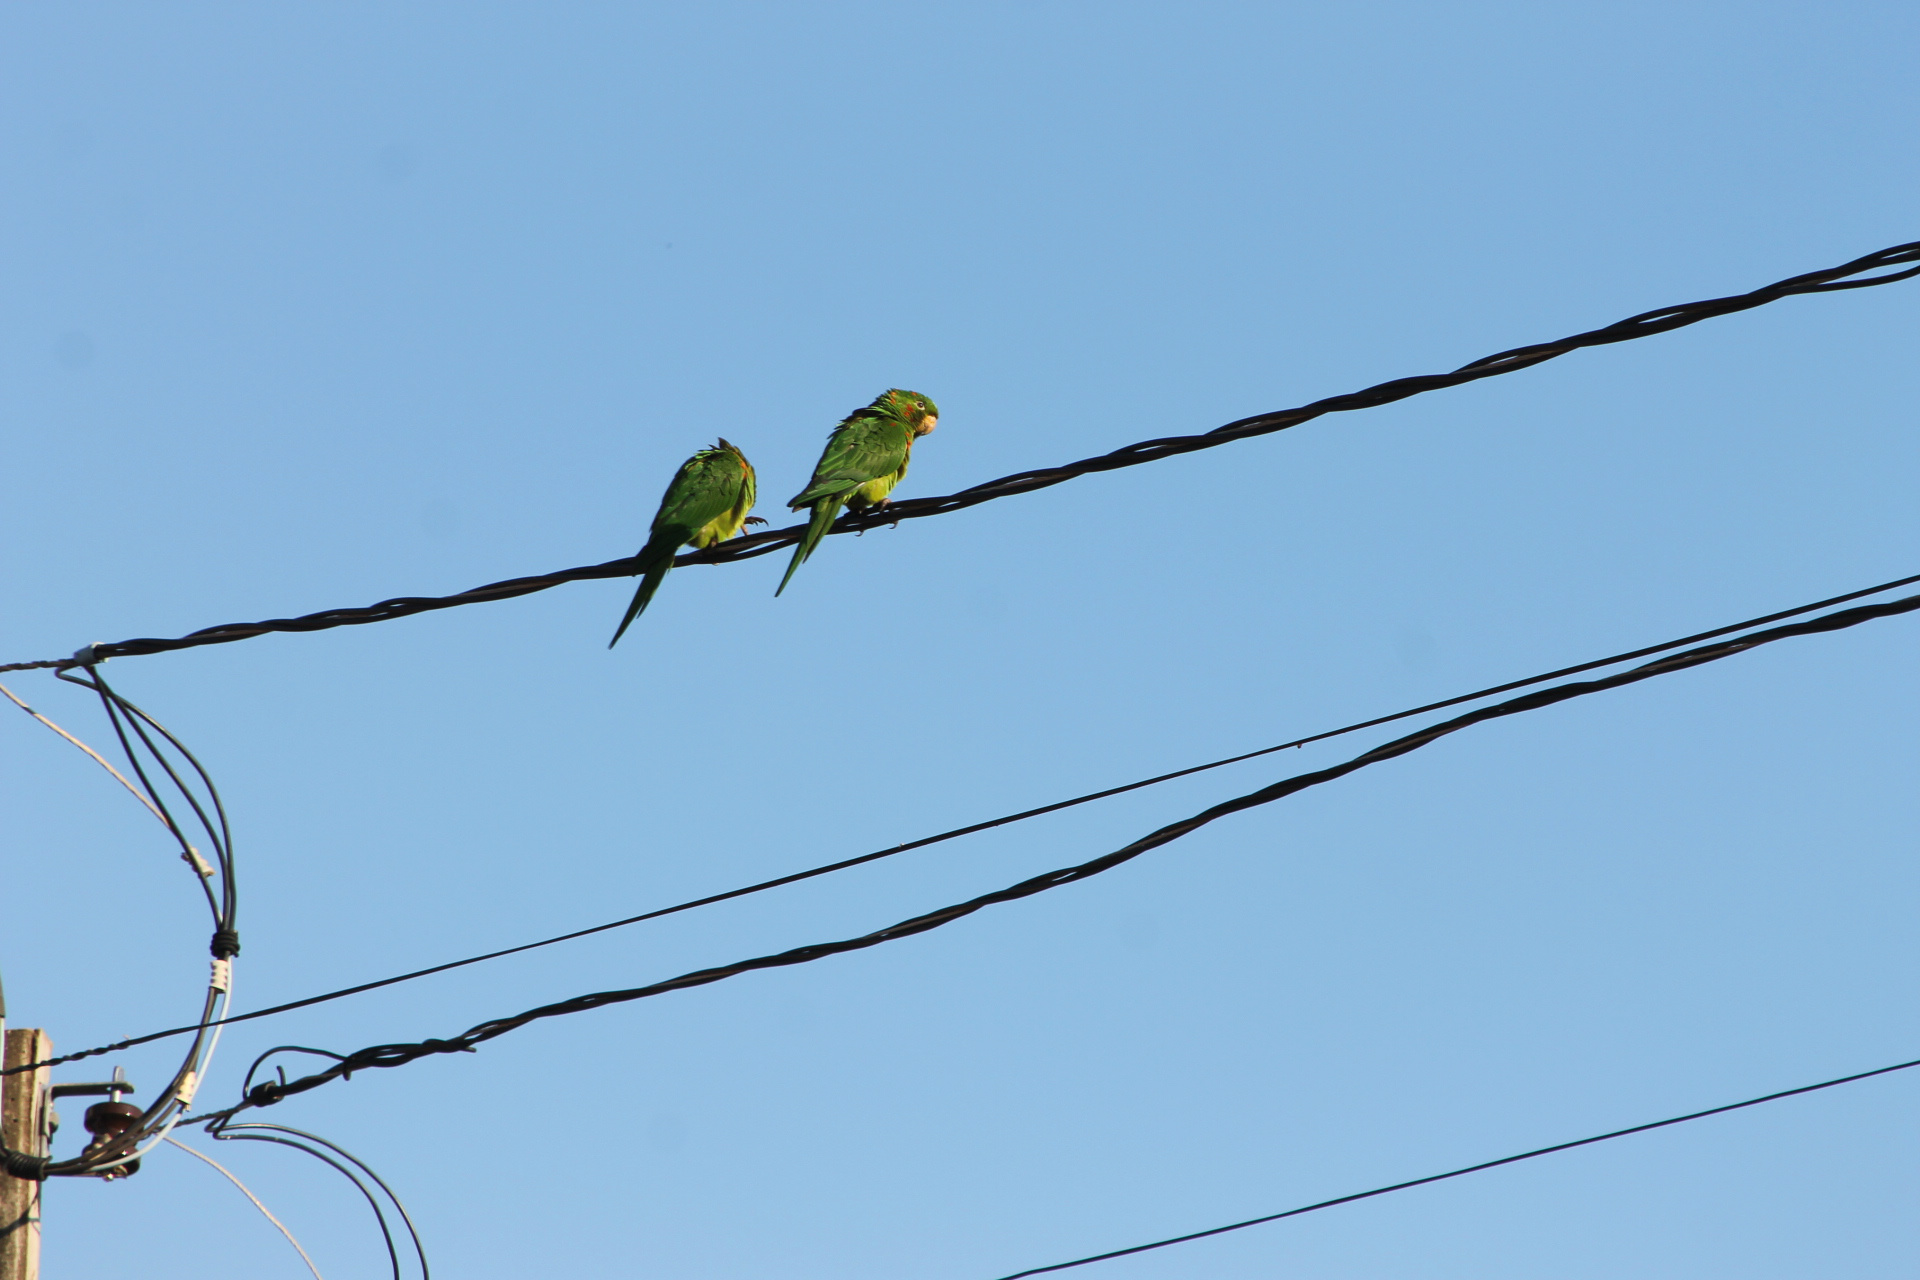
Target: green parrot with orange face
707,502
865,457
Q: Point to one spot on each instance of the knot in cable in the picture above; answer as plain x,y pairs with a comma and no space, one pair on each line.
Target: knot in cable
226,944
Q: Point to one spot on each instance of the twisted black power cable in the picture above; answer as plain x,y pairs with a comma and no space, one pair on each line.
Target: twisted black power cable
991,823
1643,325
1472,1168
246,1082
396,1055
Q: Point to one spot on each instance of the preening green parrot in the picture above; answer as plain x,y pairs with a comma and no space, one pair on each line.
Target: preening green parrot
707,503
865,457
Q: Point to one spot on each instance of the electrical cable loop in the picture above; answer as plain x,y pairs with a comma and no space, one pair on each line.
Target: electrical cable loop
140,737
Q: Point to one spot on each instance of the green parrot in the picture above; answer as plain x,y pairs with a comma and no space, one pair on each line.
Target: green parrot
707,503
865,457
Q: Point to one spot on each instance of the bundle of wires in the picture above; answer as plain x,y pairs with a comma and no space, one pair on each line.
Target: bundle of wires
162,766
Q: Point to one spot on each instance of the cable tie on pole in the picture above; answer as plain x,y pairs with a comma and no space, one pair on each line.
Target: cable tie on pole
19,1164
188,1086
222,974
191,856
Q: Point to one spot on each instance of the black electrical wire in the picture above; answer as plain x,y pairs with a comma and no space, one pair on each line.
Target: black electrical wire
128,719
219,831
246,1082
1472,1168
114,718
1005,820
396,1055
222,1128
299,1141
379,1215
1647,323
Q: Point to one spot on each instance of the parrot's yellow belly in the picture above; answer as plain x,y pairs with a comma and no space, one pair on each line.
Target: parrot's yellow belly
721,527
874,492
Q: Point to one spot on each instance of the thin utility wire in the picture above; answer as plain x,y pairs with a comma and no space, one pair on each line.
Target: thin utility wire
1006,820
268,1213
95,756
1472,1168
396,1055
231,1132
1647,323
299,1141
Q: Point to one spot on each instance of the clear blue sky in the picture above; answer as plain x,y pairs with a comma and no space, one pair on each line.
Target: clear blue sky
310,306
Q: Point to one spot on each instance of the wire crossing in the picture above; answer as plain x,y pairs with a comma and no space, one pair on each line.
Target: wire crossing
397,1055
990,824
1646,324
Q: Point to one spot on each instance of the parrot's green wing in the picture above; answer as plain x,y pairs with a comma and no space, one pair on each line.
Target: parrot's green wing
860,449
865,447
709,485
865,457
705,488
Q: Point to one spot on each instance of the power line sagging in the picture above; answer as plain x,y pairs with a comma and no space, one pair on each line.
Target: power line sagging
990,824
1646,324
396,1055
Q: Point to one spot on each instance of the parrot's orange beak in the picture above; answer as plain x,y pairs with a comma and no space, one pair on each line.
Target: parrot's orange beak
928,423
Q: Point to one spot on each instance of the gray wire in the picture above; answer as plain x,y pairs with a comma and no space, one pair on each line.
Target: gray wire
267,1213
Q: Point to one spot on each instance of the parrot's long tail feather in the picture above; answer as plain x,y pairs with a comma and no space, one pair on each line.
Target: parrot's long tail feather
649,584
823,513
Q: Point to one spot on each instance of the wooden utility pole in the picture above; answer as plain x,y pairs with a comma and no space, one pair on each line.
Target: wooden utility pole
24,1109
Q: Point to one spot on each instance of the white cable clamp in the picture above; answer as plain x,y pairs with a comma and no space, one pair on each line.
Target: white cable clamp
222,974
191,856
189,1085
